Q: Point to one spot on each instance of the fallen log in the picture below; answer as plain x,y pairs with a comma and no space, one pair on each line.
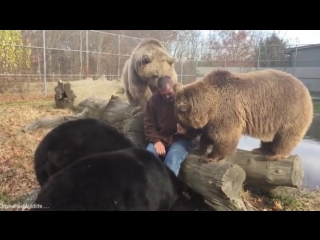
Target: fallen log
114,111
220,184
70,94
52,122
267,175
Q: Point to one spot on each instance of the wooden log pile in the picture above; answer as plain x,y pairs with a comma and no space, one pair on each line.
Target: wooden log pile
220,184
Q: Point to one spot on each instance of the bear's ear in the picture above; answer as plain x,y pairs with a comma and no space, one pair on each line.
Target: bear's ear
219,75
183,107
172,60
177,87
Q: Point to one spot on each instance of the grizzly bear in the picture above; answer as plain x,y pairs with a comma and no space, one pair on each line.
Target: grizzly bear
131,179
148,61
269,105
72,140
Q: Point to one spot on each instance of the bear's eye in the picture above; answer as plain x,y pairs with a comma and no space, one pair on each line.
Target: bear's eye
145,60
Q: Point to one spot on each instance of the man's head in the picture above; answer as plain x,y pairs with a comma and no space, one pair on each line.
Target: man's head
165,87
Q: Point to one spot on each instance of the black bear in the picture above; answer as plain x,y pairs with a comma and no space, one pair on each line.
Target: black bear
72,140
131,179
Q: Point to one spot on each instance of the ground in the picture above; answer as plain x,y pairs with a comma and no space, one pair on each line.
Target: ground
17,177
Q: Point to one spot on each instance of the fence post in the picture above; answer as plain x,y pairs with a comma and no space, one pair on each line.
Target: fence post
258,65
295,60
87,53
196,72
181,70
44,62
119,52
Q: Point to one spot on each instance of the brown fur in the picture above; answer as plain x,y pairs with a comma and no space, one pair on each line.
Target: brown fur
270,105
148,61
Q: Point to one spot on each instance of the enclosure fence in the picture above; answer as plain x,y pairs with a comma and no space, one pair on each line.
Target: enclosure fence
80,54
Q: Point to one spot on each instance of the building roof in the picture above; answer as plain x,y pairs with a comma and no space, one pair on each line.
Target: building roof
301,47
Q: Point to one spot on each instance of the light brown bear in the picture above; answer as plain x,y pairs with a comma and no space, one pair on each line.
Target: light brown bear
270,105
148,61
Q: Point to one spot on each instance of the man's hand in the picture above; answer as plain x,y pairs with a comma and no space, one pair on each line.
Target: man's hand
180,129
160,149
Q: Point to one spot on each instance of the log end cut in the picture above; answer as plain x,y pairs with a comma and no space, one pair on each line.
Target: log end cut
232,180
297,172
225,179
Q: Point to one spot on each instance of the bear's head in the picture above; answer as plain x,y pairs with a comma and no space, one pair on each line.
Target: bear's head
152,62
189,107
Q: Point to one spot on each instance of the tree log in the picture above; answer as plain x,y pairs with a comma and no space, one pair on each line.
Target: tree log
52,122
114,111
70,94
220,183
267,175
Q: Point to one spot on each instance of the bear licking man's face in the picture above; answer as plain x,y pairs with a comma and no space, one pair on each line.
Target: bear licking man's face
167,93
150,67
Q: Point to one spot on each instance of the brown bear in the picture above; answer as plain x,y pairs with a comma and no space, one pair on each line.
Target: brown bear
270,105
148,61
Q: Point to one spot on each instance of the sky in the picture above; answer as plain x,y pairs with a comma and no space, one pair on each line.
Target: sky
303,36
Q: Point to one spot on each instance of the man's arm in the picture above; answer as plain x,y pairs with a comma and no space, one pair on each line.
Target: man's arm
150,130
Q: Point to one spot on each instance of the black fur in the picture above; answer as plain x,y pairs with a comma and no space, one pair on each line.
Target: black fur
131,179
72,140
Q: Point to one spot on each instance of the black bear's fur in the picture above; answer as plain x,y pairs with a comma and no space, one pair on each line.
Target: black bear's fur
131,179
72,140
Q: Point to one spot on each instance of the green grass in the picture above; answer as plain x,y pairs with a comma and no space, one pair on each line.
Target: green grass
5,199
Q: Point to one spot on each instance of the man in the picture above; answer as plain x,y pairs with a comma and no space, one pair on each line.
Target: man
167,139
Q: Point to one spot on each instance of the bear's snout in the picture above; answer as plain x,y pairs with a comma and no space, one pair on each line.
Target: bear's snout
155,75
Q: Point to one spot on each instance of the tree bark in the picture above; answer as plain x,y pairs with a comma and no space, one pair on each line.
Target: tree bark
220,183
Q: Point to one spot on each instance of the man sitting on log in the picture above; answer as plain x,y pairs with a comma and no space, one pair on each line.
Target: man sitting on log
167,139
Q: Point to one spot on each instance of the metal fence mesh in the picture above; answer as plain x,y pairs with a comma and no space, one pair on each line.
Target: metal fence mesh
39,57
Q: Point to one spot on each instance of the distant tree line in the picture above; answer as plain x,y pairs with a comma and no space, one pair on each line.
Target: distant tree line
229,48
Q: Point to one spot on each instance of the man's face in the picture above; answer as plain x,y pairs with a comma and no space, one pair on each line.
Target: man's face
167,93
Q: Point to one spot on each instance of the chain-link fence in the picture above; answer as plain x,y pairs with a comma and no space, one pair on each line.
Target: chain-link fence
44,56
